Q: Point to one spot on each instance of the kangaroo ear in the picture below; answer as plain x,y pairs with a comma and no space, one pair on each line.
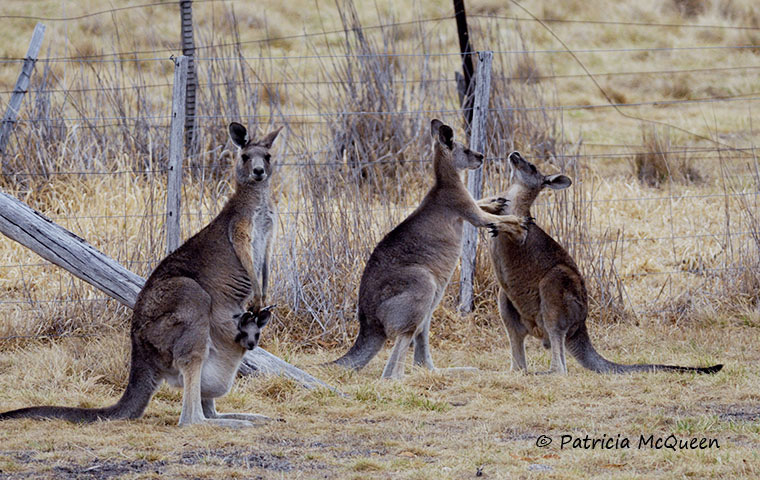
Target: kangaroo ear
435,125
446,136
263,318
238,134
442,132
557,182
267,141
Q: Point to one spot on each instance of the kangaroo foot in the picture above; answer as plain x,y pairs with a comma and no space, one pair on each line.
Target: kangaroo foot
457,369
249,417
220,422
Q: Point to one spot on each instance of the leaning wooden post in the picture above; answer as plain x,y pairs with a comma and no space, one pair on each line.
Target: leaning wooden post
475,178
54,243
22,84
176,152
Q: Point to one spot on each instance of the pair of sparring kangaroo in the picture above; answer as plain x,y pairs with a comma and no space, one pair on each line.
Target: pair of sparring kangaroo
542,291
184,327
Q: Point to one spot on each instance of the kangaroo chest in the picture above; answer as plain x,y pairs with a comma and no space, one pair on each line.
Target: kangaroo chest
262,227
444,250
519,274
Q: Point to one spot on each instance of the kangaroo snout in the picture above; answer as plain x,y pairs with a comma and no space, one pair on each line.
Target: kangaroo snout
474,159
246,341
258,173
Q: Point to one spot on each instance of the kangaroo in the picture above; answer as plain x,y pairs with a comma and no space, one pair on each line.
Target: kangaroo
249,326
406,274
183,327
542,291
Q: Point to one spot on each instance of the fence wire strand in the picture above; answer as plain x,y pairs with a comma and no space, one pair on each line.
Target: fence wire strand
201,166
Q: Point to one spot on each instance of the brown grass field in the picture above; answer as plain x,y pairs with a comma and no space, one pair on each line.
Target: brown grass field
662,218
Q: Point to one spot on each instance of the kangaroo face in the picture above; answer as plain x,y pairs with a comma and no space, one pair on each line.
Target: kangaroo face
527,175
462,158
254,162
249,328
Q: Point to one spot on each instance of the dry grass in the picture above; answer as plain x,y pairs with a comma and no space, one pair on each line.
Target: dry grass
662,160
672,270
431,424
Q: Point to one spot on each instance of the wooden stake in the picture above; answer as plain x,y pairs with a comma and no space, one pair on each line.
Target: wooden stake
475,178
176,152
22,84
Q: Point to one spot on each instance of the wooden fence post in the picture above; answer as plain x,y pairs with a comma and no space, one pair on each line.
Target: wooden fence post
188,50
475,178
22,84
176,152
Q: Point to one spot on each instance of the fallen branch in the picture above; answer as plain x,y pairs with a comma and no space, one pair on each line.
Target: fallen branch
59,246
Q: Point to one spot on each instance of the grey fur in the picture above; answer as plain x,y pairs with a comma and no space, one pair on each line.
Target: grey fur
405,276
183,326
542,291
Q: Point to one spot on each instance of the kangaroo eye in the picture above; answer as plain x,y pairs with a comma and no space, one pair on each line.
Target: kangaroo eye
267,157
245,157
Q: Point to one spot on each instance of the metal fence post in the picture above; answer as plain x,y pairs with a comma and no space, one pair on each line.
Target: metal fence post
475,178
22,84
188,49
464,80
176,152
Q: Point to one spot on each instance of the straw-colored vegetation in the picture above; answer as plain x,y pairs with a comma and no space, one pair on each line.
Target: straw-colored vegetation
661,218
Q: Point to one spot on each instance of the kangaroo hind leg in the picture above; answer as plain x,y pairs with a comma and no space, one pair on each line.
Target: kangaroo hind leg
422,356
190,352
516,331
406,316
561,310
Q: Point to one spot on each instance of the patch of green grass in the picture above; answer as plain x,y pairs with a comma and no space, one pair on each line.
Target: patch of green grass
369,394
418,401
367,465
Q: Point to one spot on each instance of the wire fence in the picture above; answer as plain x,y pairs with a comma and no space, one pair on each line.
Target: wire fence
660,222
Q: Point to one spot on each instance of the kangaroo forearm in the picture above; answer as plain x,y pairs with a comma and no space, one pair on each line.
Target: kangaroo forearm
258,300
479,218
264,278
240,236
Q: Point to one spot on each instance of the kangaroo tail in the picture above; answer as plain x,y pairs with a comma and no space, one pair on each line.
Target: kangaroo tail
579,345
143,382
370,340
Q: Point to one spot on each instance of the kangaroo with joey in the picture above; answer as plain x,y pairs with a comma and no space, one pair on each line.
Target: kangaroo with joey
184,327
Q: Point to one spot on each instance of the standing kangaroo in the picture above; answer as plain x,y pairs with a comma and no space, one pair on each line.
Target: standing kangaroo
542,291
183,327
409,269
